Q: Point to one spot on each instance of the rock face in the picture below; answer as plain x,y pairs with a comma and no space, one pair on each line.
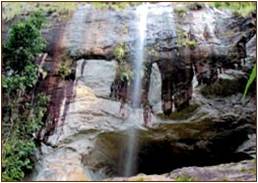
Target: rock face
242,171
200,41
195,139
99,32
154,94
211,131
97,74
55,167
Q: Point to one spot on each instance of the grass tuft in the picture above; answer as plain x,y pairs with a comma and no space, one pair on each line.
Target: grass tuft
237,8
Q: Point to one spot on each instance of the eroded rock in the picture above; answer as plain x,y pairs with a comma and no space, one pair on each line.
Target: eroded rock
242,171
212,134
97,74
61,165
89,139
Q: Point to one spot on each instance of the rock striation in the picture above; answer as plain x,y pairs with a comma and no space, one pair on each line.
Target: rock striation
196,132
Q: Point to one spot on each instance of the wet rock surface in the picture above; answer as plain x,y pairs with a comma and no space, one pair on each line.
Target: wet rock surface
195,140
209,132
192,41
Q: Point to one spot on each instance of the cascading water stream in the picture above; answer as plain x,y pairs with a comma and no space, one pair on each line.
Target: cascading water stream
131,150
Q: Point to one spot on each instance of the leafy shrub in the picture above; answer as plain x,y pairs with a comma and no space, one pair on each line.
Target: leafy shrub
16,153
65,67
37,19
124,70
64,70
23,113
24,43
120,52
19,146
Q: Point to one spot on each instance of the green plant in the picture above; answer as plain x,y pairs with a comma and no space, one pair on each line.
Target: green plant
24,43
180,115
14,83
37,19
183,40
180,11
138,178
190,43
19,145
194,6
125,72
238,8
117,6
183,178
251,79
100,5
18,9
120,51
64,70
23,110
16,161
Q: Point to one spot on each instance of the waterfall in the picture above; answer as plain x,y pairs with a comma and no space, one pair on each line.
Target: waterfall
139,54
131,149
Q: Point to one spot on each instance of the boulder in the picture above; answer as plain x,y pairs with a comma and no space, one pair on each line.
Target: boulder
61,165
97,74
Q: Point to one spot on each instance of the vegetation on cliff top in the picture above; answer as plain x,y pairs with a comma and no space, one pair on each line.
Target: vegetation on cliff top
240,8
117,6
13,9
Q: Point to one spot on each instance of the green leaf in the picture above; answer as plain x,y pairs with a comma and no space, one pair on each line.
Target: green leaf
251,79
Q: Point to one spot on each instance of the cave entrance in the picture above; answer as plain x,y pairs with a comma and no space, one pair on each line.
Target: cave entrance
162,155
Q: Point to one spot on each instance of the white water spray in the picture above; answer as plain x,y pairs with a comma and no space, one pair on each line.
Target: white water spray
141,12
131,150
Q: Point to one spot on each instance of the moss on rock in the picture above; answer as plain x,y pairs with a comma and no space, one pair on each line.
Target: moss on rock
180,115
181,11
184,178
224,87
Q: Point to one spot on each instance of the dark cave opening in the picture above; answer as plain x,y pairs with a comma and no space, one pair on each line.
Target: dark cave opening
163,155
159,157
